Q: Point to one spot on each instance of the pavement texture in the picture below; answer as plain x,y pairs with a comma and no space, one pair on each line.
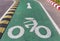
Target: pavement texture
30,13
54,13
4,5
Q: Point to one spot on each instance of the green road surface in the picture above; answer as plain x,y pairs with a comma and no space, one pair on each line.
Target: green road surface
39,15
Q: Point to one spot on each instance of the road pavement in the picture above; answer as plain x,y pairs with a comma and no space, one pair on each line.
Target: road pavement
30,23
54,13
4,5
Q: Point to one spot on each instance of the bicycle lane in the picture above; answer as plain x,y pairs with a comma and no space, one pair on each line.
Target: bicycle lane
34,10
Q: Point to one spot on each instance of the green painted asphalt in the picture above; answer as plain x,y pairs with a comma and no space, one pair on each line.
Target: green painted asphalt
39,15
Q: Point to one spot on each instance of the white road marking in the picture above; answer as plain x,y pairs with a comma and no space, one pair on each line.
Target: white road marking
11,35
47,35
27,21
27,26
55,25
8,10
29,6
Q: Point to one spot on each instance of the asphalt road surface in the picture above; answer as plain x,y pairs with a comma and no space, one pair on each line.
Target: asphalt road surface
54,13
30,23
4,5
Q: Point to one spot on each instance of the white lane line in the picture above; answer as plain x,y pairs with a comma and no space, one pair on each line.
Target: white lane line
8,10
55,25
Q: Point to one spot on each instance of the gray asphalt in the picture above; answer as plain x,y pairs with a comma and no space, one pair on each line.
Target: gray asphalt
54,13
4,5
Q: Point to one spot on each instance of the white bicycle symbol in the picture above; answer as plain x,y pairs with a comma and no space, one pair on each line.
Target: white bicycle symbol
35,28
